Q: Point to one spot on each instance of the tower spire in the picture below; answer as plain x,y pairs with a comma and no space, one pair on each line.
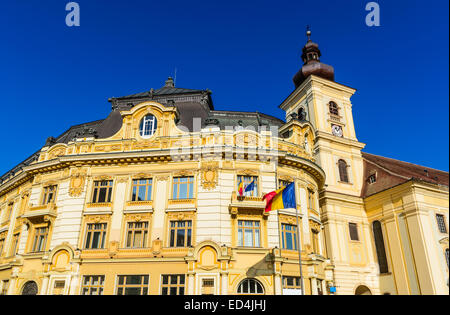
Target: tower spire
311,62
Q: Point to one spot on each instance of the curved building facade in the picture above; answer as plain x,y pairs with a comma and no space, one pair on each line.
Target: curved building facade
147,201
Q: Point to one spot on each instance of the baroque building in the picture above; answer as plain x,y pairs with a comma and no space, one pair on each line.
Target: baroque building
146,202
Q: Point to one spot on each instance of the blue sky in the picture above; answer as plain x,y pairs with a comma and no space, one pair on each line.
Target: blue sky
246,52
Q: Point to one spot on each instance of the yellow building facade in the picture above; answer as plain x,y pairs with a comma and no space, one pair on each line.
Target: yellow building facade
147,202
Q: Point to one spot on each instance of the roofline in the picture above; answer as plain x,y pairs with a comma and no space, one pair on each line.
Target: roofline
255,113
134,96
422,166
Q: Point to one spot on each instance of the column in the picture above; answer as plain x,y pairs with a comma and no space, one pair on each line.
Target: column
191,283
44,287
314,290
278,284
224,276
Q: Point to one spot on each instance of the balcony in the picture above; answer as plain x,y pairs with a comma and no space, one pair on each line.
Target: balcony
246,203
42,211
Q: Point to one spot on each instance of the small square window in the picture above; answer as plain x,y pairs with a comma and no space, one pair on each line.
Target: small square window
372,179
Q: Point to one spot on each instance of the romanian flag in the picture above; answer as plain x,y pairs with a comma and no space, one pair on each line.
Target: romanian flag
241,188
283,198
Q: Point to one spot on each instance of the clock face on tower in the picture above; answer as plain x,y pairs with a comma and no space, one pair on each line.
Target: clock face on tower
337,130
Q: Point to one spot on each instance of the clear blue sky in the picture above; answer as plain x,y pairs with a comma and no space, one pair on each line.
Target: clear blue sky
246,52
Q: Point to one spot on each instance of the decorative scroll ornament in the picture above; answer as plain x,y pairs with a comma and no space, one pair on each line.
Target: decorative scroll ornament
209,175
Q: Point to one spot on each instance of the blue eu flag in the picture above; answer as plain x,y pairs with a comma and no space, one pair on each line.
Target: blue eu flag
250,187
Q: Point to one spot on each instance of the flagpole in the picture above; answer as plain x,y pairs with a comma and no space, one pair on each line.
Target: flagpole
299,244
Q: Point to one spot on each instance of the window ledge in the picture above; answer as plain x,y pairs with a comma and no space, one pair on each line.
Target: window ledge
178,201
99,205
139,203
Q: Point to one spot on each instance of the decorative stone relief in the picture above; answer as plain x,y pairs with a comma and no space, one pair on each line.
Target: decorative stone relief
77,181
209,175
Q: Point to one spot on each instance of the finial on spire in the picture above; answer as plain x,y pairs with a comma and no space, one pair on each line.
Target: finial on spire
308,32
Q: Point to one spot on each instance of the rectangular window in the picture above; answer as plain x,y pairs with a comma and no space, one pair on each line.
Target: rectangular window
40,239
15,242
180,233
183,188
315,241
102,191
441,223
353,228
311,203
249,233
141,190
132,285
95,236
137,234
246,181
289,236
92,285
173,285
49,195
291,283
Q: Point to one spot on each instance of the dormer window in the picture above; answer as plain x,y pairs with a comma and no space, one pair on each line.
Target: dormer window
334,109
148,126
372,179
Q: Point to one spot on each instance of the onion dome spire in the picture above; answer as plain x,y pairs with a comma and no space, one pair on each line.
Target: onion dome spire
311,63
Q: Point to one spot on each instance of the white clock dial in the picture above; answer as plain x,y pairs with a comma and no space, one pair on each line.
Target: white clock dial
337,130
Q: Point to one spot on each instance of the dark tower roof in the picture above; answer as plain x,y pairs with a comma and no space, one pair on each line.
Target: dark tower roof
311,63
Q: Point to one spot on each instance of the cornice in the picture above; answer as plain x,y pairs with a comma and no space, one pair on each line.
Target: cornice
164,155
310,81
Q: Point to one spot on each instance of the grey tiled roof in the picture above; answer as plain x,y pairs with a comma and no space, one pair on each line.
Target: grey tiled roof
159,92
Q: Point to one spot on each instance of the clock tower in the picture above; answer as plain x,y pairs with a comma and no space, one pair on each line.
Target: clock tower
325,105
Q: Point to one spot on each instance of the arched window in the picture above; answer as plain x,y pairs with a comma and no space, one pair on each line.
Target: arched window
379,244
148,126
362,290
334,109
250,286
30,288
343,173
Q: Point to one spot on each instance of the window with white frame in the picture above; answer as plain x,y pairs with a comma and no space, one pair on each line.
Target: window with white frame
148,126
92,285
250,286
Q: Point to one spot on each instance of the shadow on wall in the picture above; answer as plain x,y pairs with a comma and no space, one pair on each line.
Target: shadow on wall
261,268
